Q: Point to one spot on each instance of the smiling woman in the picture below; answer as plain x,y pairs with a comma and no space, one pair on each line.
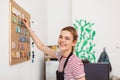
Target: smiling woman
70,66
67,39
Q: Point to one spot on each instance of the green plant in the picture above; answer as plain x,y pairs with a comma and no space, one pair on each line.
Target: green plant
85,45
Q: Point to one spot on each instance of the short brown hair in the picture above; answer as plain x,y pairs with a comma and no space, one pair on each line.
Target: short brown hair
73,31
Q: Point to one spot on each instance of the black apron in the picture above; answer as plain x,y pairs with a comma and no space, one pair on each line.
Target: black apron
60,75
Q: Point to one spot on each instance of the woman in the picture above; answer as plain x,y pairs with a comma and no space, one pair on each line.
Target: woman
70,66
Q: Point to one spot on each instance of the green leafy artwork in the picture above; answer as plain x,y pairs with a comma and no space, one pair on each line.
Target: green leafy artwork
85,45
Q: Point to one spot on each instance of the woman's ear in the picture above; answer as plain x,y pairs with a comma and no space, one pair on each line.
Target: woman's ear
74,43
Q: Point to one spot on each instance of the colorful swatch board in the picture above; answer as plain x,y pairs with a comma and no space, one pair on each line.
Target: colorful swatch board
19,36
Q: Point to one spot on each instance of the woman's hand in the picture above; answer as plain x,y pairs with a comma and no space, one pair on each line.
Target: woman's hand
26,23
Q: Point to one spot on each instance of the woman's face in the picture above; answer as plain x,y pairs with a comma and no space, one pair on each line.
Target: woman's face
66,41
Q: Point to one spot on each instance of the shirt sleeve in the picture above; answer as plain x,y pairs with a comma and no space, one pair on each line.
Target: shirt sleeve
78,68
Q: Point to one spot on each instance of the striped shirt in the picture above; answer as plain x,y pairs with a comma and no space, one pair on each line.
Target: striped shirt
74,68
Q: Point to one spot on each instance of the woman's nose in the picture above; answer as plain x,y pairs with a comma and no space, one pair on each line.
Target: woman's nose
62,39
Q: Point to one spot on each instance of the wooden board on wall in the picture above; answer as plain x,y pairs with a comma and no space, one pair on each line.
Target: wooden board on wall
19,36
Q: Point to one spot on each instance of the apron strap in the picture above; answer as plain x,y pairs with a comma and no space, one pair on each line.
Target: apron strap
66,60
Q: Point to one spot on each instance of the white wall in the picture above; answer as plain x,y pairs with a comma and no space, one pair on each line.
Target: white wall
59,16
106,16
26,70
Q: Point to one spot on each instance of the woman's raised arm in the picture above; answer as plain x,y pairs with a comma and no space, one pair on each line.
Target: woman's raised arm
38,42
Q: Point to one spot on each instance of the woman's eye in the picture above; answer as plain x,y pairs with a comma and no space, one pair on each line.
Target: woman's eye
60,36
67,38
